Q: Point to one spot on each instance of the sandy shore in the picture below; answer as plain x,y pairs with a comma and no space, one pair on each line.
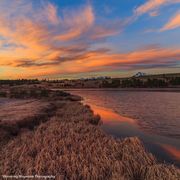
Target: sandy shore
64,140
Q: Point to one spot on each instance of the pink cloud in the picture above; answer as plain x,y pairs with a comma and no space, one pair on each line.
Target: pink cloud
173,23
152,6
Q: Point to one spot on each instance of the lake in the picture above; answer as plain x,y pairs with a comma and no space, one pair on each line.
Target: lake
154,117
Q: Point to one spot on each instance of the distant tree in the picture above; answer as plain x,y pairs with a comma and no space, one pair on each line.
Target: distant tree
156,83
175,81
115,83
44,93
3,94
126,83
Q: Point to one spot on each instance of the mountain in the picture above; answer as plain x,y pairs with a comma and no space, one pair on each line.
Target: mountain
139,74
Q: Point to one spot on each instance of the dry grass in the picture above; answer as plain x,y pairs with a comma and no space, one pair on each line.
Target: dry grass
70,145
16,110
16,114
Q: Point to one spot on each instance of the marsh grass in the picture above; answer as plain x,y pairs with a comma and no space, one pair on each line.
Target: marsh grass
26,116
70,145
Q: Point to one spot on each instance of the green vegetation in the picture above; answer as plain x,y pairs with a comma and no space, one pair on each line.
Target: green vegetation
115,83
139,83
175,81
146,81
3,93
19,82
143,82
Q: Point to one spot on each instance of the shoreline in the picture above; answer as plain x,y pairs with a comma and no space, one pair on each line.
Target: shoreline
121,124
121,89
70,144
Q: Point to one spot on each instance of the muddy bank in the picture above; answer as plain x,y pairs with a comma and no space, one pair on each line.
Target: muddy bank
69,144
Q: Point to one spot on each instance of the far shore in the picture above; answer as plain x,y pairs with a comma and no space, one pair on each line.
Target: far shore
121,89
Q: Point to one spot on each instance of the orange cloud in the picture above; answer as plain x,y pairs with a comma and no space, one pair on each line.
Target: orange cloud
154,13
151,6
40,35
77,23
173,23
33,37
150,55
36,43
99,60
51,11
25,38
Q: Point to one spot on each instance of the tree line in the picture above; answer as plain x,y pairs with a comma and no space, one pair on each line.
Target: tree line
142,83
19,82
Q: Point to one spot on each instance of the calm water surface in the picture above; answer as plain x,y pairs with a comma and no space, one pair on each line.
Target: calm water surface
152,116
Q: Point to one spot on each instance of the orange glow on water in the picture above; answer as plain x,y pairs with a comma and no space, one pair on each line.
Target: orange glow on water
172,150
110,116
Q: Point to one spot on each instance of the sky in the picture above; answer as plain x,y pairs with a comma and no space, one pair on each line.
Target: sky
59,39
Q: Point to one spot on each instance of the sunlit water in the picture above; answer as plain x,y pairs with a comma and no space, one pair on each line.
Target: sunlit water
152,116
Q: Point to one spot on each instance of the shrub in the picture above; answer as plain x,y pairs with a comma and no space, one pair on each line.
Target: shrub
3,94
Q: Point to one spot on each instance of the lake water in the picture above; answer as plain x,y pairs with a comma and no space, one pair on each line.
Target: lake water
154,117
